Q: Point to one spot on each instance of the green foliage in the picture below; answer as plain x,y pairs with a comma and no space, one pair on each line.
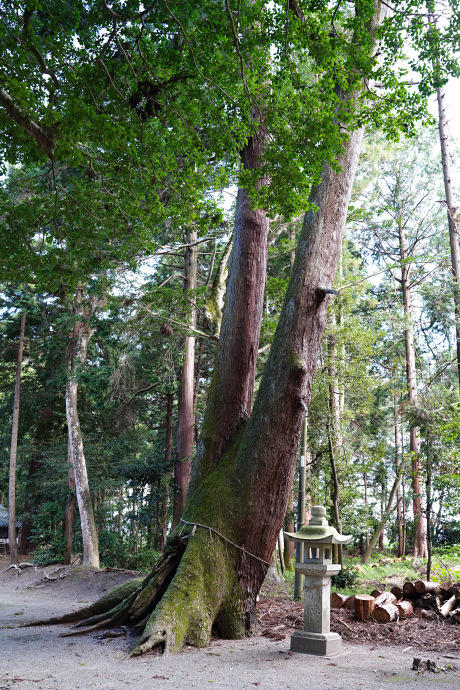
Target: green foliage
346,578
47,534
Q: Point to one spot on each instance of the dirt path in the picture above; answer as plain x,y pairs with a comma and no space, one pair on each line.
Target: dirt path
38,658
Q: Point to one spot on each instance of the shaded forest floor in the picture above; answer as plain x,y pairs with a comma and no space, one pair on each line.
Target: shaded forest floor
38,658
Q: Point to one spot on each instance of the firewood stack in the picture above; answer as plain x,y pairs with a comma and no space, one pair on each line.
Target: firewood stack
422,599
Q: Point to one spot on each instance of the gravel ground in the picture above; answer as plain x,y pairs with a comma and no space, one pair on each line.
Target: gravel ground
38,658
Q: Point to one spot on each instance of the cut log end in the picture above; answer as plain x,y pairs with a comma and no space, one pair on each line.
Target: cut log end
364,607
386,613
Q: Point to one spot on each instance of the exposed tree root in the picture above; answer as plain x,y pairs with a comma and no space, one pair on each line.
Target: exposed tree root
106,603
114,617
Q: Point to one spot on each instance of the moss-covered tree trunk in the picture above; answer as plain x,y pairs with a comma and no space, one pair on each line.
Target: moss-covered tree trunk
242,496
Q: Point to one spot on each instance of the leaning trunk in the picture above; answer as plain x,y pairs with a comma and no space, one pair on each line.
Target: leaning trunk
448,190
12,538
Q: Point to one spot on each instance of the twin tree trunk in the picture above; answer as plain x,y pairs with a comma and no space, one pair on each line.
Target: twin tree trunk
215,562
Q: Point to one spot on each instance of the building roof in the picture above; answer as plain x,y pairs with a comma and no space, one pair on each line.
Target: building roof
4,518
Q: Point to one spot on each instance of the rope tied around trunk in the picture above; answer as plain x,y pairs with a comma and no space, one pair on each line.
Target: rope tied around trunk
241,548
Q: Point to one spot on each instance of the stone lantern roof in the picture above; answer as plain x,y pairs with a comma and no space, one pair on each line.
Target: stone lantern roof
318,530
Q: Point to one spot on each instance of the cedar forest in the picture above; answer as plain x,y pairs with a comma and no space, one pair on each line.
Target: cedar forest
214,216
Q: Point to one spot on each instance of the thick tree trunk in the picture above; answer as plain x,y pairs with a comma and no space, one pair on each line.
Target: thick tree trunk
82,335
231,392
186,414
12,537
420,544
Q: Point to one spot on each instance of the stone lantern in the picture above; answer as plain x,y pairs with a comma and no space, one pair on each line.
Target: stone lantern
317,537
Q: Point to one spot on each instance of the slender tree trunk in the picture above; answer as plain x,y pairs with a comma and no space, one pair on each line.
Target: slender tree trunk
429,506
82,335
12,538
420,545
335,497
366,502
451,216
449,200
162,505
186,414
120,512
398,490
334,432
69,510
33,493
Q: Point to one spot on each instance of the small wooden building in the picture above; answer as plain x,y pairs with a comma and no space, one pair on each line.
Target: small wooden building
4,528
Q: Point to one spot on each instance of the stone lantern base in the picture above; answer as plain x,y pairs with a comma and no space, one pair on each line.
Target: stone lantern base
316,643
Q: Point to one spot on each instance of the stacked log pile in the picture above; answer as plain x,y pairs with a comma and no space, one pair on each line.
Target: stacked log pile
422,599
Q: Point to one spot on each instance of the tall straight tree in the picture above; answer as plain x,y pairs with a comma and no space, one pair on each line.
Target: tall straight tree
447,178
80,340
186,412
12,538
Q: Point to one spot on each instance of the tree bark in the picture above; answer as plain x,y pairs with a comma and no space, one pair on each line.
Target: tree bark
449,200
82,335
12,538
364,607
231,392
186,414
